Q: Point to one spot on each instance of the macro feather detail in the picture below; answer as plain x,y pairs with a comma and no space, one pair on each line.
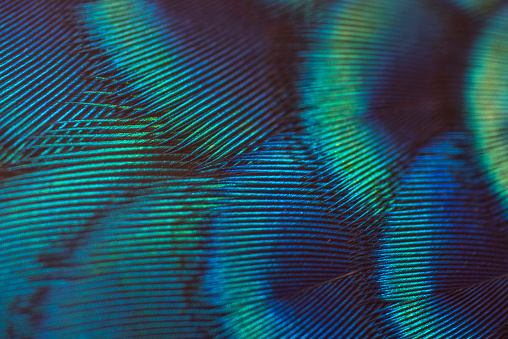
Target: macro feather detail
139,272
280,246
485,100
479,9
39,72
215,90
253,169
441,237
365,92
476,311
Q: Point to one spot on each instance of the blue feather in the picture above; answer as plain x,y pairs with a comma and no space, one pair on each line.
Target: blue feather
253,169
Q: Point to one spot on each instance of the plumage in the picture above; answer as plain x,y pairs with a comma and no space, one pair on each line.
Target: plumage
139,270
279,244
378,83
213,89
253,169
39,72
485,100
481,9
441,236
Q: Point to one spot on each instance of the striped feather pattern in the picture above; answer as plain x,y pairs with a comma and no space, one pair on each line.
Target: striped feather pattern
475,311
440,247
214,90
442,233
280,243
253,169
96,237
375,87
139,271
486,100
479,8
39,72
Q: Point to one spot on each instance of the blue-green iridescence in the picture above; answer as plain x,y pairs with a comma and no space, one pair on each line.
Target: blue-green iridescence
282,248
142,267
368,100
475,311
439,238
97,230
214,89
111,238
297,6
487,101
39,75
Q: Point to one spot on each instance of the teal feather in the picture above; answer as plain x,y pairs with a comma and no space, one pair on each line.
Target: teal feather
252,169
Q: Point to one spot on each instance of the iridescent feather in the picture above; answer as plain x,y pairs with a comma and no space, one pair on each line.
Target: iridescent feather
253,169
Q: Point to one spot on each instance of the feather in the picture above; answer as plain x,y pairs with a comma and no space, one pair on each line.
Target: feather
441,236
378,83
475,311
78,177
481,9
139,270
279,247
253,169
214,89
486,80
39,73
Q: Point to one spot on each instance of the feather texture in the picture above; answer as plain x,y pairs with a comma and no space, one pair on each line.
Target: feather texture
213,89
375,85
279,246
486,101
253,169
442,236
39,73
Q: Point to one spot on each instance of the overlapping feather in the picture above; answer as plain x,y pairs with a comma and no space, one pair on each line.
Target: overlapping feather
281,245
243,169
378,83
442,236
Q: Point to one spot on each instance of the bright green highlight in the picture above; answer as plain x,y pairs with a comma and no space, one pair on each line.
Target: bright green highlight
347,69
487,100
131,28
